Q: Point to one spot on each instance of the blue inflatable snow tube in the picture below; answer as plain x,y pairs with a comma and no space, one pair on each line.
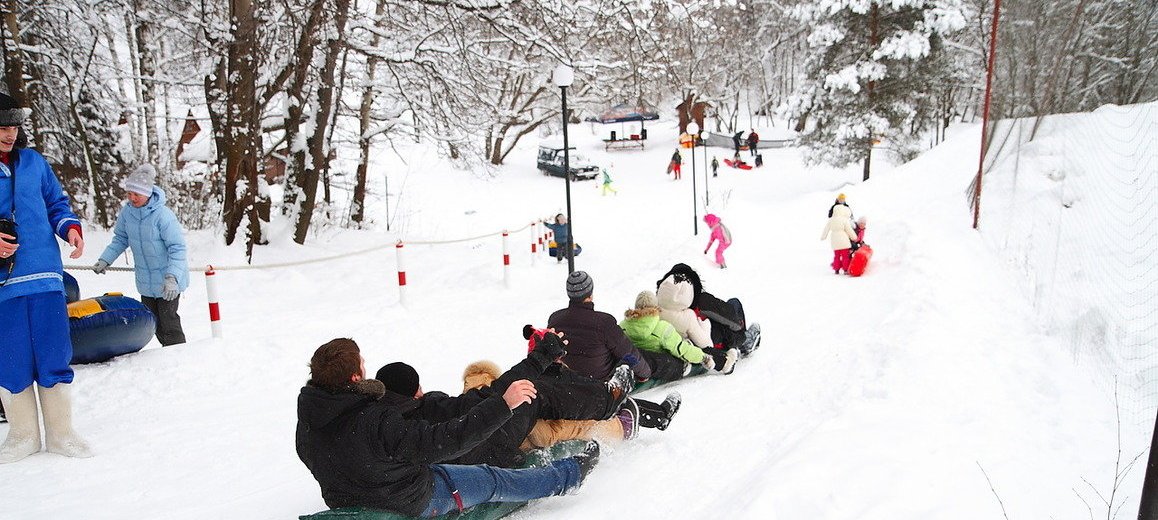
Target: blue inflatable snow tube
108,326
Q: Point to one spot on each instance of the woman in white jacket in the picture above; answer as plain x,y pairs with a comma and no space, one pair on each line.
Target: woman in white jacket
675,294
841,235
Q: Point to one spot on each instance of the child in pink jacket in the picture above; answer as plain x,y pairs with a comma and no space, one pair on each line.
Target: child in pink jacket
721,233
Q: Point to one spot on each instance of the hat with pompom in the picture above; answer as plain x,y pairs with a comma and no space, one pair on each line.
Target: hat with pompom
141,181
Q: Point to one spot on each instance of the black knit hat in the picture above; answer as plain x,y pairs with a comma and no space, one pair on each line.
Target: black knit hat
400,378
579,285
11,114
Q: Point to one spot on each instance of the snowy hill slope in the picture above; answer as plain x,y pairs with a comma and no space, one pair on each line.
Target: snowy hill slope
871,398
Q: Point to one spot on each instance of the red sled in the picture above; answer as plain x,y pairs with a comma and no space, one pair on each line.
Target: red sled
741,165
860,260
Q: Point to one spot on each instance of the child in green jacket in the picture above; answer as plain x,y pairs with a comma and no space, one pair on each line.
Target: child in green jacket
654,336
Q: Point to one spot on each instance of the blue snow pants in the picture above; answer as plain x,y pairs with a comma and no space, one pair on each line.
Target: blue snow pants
35,344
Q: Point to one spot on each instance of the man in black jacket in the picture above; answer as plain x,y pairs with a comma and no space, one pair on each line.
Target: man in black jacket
355,440
596,346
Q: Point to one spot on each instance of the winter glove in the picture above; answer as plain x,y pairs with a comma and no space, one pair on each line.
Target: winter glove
550,346
170,291
709,362
100,266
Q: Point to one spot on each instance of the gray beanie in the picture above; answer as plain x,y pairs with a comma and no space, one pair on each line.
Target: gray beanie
579,285
141,181
646,299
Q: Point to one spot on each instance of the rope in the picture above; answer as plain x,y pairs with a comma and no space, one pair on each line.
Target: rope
311,260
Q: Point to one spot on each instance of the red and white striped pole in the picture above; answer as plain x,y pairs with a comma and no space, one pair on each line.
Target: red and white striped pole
401,274
534,243
211,295
506,262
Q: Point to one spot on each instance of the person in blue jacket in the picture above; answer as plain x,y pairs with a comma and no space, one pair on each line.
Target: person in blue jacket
562,236
34,334
151,230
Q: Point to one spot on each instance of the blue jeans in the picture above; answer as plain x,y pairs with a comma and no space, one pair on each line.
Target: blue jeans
481,483
34,341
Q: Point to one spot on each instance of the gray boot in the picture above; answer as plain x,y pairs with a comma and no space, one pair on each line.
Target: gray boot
24,425
56,404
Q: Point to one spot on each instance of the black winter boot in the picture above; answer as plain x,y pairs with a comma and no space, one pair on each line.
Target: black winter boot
658,416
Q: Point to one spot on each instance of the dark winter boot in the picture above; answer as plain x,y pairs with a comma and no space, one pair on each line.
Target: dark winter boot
751,340
658,416
671,405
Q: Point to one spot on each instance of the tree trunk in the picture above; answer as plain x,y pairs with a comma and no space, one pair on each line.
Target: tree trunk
242,195
146,84
295,92
14,70
317,142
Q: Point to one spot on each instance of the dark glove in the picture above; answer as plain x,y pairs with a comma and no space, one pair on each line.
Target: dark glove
100,266
550,346
170,291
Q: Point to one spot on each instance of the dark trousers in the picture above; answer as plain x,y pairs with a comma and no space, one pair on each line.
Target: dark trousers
664,366
168,322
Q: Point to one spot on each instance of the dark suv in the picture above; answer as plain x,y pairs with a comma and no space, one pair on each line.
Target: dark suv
551,163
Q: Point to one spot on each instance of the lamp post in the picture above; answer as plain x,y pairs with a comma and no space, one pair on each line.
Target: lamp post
694,130
563,77
707,193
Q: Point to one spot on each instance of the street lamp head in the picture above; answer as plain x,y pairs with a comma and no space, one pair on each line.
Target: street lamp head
693,128
564,76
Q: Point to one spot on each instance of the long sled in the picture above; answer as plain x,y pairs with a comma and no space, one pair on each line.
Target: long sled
741,165
697,370
860,260
487,511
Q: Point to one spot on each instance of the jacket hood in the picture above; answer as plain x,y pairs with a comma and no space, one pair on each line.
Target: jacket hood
318,407
711,219
635,314
690,274
840,210
673,295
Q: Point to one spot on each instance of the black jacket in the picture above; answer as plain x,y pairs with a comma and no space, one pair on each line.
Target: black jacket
363,452
595,343
560,394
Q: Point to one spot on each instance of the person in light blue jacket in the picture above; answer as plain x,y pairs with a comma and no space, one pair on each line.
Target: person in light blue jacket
151,230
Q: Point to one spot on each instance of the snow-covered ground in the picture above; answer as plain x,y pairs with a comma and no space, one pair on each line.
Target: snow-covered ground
926,389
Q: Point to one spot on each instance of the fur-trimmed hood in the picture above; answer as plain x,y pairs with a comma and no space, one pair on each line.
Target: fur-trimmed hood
635,314
479,374
318,406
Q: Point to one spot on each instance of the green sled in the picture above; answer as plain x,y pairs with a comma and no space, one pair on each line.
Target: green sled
652,383
487,511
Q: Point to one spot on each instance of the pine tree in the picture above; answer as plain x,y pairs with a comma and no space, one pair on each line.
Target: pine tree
872,75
